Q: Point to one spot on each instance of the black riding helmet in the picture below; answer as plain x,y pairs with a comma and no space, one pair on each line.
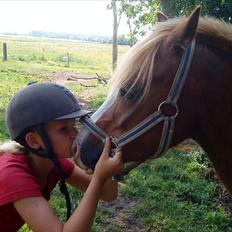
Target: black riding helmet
35,105
39,103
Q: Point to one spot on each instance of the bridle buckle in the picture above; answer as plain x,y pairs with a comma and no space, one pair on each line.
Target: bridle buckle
169,109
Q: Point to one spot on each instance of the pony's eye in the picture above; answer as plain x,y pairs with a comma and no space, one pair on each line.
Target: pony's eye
123,91
129,94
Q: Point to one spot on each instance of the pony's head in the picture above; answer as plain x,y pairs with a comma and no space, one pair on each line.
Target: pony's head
150,93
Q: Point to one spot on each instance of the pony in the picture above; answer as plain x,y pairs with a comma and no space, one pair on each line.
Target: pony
173,85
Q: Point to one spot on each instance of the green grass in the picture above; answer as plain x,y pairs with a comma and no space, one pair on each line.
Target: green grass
173,195
94,96
43,55
10,83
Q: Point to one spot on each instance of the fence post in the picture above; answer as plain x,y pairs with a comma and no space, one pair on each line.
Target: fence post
4,52
68,59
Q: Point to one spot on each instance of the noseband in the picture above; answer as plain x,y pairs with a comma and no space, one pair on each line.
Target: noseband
158,116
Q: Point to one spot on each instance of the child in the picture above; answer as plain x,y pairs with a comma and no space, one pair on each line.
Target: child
41,120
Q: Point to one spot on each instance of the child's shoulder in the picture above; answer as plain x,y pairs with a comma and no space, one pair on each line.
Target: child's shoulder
17,179
14,163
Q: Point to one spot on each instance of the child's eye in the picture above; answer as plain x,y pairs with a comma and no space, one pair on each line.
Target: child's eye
63,129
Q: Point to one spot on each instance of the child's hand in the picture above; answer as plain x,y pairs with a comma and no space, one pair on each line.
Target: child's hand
108,166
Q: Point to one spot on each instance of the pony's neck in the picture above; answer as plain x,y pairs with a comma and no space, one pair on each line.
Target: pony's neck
212,80
213,123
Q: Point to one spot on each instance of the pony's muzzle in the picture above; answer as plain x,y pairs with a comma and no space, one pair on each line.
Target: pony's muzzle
90,151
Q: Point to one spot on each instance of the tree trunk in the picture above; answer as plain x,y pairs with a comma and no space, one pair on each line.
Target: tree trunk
115,35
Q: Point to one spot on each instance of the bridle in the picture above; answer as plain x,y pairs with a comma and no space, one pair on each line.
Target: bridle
158,116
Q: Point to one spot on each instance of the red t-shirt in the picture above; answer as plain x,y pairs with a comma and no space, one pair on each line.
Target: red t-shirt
17,181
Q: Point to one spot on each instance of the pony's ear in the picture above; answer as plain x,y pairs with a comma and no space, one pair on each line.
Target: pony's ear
161,17
186,32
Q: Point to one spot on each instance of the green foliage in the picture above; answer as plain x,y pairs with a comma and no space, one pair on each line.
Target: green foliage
141,15
216,8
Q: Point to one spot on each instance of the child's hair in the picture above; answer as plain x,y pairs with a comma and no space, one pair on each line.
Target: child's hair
11,147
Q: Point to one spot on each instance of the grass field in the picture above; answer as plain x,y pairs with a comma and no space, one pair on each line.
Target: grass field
42,55
171,194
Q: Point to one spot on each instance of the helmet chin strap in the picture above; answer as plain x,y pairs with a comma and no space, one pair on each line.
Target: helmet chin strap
49,153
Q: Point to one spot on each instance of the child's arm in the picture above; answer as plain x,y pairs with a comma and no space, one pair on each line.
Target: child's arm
38,214
105,168
81,180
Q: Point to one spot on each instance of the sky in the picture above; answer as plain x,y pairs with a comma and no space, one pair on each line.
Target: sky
76,16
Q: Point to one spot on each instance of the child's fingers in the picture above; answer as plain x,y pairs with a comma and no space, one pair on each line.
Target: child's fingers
118,156
107,146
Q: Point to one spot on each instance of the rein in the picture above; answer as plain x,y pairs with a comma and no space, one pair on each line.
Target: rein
156,117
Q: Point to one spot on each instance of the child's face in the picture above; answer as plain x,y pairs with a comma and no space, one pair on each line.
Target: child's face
62,134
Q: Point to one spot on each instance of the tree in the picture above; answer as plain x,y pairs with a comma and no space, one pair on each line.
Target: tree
216,8
115,35
141,15
116,22
123,40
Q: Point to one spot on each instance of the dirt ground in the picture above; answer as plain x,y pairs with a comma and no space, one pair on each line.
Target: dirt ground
64,77
120,217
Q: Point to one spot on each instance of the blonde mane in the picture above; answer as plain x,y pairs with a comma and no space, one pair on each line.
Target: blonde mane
137,66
